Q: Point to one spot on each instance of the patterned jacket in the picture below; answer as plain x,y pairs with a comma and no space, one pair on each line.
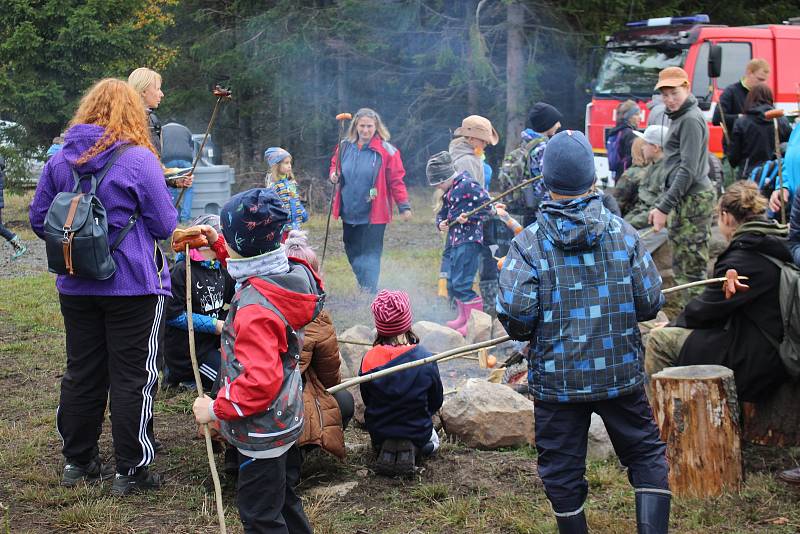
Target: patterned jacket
286,188
260,401
575,283
464,195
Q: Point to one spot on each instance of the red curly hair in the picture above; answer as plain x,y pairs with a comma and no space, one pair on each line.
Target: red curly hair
114,105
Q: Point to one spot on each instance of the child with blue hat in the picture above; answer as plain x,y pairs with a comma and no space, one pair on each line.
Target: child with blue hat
281,178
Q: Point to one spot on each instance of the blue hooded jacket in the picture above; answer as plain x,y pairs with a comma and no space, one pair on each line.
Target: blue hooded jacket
575,284
400,405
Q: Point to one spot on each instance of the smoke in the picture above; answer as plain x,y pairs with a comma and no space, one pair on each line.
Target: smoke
423,66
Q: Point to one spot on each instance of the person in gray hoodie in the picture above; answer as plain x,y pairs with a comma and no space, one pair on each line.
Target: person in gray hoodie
688,195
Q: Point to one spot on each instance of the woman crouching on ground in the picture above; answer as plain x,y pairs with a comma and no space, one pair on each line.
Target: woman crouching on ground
741,332
112,326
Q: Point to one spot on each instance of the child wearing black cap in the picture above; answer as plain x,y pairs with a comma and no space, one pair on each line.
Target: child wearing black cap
464,234
259,403
575,284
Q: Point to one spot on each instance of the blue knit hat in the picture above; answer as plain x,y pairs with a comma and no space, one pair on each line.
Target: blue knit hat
568,166
253,221
275,154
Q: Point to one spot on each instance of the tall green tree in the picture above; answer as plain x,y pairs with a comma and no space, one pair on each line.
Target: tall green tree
52,50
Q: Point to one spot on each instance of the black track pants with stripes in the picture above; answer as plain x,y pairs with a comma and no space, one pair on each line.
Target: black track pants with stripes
112,346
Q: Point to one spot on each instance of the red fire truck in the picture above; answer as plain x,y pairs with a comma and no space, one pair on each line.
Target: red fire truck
713,56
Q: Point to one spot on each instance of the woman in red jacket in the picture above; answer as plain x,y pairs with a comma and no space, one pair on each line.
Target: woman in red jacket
369,179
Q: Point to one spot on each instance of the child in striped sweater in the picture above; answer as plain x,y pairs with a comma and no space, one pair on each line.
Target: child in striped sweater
281,179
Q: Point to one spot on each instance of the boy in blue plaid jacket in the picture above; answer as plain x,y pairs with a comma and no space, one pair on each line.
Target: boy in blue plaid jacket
574,284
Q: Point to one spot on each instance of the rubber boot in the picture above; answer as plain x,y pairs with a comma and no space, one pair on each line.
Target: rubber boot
19,247
652,512
474,304
572,524
459,321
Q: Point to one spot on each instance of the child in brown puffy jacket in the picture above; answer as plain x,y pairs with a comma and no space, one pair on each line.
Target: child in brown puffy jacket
326,415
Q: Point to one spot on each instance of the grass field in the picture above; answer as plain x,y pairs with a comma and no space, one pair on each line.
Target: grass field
461,491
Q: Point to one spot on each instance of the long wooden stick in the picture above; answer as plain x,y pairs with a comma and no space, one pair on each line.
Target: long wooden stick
354,342
498,197
698,283
383,372
335,186
200,150
467,349
780,170
196,368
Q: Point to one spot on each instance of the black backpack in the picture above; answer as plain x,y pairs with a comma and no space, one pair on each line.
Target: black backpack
76,229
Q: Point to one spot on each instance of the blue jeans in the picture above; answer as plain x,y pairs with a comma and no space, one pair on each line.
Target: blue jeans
363,244
186,204
464,260
561,440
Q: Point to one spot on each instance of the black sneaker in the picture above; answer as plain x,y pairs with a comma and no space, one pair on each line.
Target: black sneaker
142,480
94,471
158,447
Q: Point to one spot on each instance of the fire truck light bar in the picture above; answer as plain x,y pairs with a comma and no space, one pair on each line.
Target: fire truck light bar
669,21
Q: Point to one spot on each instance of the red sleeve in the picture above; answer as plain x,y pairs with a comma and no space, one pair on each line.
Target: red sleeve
334,160
219,249
260,338
395,173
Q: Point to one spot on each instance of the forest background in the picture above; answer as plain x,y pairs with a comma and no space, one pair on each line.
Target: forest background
294,64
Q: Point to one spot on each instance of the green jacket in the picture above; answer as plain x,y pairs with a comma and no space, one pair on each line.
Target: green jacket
685,155
651,187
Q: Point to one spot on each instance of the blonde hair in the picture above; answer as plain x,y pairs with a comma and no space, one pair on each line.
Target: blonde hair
743,201
757,64
114,105
637,152
275,175
142,78
380,128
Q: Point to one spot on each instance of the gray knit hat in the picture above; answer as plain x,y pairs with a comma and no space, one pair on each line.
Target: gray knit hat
440,167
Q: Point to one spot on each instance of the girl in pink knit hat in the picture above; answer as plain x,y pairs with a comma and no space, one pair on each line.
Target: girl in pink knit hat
399,407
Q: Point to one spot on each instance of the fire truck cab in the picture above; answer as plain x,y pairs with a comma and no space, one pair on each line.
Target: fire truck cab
633,58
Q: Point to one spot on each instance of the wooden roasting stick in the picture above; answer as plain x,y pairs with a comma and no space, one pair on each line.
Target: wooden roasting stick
467,349
183,241
221,94
498,197
775,114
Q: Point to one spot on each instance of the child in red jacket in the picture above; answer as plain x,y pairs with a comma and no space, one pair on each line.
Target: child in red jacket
259,403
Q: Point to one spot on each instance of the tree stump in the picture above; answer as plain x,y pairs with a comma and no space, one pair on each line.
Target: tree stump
697,413
775,421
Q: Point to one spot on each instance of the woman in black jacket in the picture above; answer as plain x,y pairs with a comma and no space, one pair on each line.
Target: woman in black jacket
753,136
730,332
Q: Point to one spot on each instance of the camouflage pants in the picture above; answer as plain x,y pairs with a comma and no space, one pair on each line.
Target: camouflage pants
662,348
689,234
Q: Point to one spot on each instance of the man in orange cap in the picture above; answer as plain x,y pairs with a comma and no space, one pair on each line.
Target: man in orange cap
688,193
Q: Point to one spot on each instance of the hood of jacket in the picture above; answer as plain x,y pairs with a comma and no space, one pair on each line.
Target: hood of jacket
460,147
574,225
383,357
295,294
79,139
766,237
757,113
690,102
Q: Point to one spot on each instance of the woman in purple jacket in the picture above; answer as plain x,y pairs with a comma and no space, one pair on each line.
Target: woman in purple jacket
112,326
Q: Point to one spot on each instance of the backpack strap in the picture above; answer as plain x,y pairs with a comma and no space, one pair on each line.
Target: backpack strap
127,228
774,342
97,178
